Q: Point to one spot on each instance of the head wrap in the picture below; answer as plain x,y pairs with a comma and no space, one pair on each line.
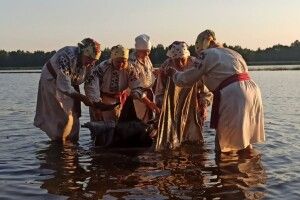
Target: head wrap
119,52
142,42
204,39
90,48
178,50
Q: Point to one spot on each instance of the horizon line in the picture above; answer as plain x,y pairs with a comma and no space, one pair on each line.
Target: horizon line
258,48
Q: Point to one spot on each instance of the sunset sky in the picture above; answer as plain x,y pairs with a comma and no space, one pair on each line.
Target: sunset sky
49,25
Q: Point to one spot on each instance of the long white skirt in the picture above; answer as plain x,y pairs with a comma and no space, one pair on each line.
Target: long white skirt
54,111
241,121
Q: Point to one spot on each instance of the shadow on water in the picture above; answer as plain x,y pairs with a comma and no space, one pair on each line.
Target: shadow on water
80,174
190,172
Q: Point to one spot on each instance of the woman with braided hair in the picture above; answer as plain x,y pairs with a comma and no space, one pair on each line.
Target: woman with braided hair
58,100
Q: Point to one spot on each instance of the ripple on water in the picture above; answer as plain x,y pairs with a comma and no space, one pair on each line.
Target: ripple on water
31,167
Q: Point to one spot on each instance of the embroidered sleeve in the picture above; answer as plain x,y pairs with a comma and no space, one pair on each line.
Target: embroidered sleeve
92,84
64,82
64,64
134,83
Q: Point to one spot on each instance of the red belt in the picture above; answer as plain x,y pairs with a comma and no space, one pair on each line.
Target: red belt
121,96
214,118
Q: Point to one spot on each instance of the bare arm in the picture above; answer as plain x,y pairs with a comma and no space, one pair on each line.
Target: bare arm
150,104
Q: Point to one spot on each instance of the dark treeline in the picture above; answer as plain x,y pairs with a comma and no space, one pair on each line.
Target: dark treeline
23,59
278,54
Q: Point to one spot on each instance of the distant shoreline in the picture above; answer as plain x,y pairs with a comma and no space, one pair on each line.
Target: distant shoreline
250,64
37,71
274,69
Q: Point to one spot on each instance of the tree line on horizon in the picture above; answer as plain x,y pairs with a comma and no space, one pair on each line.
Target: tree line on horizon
272,55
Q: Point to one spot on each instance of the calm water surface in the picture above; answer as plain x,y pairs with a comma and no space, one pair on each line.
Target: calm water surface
31,167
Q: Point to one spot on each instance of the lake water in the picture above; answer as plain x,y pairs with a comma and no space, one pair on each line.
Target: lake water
31,167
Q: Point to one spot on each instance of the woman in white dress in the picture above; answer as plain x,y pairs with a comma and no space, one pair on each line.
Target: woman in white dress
182,109
58,100
111,82
237,111
141,62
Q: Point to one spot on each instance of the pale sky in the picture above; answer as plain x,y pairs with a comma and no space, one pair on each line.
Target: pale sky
51,24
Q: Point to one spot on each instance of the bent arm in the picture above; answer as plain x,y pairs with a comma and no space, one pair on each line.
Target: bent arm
194,74
63,79
187,77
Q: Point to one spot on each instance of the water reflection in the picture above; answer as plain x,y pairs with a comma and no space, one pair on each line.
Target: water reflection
65,170
241,176
191,172
82,174
21,144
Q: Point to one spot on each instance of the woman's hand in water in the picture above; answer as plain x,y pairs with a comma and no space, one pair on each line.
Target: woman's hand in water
154,107
150,104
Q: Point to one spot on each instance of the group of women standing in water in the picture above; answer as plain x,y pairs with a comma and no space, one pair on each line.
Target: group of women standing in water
177,93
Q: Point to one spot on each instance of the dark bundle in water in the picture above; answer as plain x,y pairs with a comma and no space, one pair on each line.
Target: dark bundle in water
128,132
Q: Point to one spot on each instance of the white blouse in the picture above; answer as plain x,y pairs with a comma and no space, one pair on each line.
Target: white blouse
108,79
68,69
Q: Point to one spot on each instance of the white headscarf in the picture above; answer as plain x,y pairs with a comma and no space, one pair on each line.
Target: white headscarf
178,50
142,42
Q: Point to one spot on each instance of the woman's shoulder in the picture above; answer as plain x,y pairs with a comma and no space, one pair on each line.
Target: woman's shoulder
70,51
130,67
132,57
193,61
102,67
166,64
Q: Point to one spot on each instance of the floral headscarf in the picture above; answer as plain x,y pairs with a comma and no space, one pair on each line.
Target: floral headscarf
178,50
90,48
119,52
